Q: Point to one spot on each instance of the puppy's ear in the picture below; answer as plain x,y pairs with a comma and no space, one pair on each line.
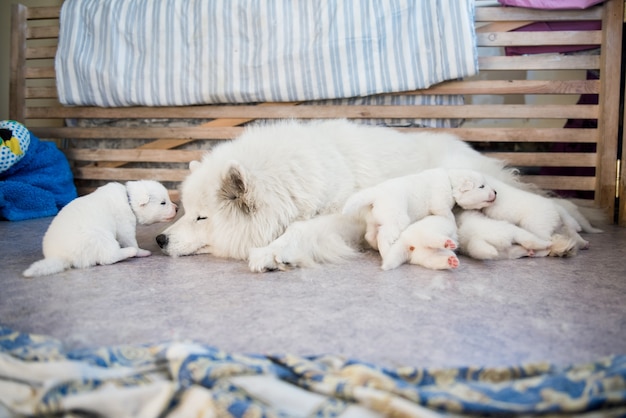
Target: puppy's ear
235,188
193,165
137,193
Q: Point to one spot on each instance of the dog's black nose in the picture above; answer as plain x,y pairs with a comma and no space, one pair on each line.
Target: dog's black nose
161,239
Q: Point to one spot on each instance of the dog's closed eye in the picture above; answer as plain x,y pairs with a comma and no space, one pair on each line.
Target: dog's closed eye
201,218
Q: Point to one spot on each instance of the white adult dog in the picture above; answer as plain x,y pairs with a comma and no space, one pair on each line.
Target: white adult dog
391,206
247,193
99,228
430,242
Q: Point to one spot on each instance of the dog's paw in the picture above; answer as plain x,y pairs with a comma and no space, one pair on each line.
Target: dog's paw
142,253
450,244
453,262
261,260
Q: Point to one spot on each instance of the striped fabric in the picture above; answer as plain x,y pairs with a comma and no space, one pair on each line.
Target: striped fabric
184,52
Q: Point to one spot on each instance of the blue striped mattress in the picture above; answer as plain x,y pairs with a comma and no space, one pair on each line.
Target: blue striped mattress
185,52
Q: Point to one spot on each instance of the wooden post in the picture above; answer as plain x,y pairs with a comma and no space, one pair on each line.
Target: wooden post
17,80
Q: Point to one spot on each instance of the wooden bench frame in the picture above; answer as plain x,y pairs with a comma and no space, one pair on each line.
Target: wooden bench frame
33,102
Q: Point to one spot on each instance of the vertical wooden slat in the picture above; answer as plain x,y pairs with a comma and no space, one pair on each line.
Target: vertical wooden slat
608,123
17,87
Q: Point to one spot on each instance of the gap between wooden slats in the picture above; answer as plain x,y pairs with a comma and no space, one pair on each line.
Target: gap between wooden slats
328,112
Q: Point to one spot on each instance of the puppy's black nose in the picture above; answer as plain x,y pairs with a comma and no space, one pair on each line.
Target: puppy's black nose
161,239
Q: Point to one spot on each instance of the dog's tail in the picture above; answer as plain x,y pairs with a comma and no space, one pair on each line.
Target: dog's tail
358,201
46,266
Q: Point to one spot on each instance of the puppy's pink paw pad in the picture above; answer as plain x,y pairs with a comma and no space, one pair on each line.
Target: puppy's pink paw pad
453,262
449,244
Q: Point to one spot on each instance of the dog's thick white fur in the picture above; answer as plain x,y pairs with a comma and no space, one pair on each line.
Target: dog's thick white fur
391,206
485,238
430,242
99,228
542,216
248,192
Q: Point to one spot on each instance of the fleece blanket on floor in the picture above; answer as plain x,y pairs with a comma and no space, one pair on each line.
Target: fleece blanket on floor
182,379
37,181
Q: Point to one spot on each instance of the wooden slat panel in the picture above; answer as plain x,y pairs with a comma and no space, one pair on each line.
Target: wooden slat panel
39,72
563,182
44,12
138,133
547,159
122,174
496,14
539,38
540,62
43,32
521,134
135,155
331,111
41,52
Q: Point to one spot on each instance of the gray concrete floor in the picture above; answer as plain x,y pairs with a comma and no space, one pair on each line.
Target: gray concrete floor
484,313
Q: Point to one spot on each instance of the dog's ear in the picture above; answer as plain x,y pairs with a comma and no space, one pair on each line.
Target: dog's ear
137,193
235,188
193,165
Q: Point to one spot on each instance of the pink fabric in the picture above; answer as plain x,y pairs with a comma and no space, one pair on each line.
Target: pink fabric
551,4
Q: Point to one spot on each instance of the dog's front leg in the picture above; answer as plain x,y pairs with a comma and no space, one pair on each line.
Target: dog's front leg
126,236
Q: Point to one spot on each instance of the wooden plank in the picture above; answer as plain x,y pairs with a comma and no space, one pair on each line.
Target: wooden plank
125,174
547,159
135,155
188,133
539,38
540,62
563,182
39,72
41,52
497,14
272,111
523,135
496,87
41,93
502,26
43,32
52,12
17,81
609,102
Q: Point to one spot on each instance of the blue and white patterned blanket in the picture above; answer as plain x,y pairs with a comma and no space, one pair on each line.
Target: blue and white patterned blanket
186,52
182,379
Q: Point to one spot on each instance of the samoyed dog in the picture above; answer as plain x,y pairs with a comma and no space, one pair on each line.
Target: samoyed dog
542,216
99,228
391,206
248,193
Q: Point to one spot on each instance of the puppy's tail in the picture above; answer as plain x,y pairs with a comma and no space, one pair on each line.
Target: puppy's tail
45,267
358,201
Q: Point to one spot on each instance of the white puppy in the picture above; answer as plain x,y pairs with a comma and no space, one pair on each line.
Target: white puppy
539,215
99,228
391,206
429,242
484,238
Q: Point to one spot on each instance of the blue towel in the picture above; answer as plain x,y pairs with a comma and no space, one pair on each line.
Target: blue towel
38,185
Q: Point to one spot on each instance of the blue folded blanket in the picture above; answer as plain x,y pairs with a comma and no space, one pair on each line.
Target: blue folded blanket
38,182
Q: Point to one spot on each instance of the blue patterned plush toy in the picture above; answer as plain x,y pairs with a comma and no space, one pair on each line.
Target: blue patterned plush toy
35,177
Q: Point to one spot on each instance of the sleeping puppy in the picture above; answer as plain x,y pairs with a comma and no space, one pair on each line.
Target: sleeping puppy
429,242
484,238
391,206
99,228
542,216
